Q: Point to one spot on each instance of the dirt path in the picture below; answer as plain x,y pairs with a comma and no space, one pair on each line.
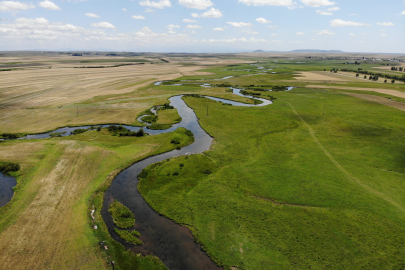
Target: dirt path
343,170
380,100
390,92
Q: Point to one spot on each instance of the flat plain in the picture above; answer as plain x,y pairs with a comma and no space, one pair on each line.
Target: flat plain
315,180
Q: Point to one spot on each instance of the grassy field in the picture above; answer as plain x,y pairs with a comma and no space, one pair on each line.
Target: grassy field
315,180
46,225
293,191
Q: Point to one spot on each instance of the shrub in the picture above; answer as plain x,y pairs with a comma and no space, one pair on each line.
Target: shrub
9,167
99,129
207,172
175,173
175,141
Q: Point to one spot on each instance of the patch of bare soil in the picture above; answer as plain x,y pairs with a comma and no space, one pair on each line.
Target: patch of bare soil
390,92
318,76
380,100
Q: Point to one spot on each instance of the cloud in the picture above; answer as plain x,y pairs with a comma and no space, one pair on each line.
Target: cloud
239,24
156,4
212,13
252,39
383,35
403,12
300,33
138,17
197,4
103,25
353,14
334,9
124,9
386,24
351,34
325,32
339,22
149,10
271,26
317,3
219,29
92,15
267,2
193,26
172,32
324,12
262,20
49,5
14,6
172,26
189,21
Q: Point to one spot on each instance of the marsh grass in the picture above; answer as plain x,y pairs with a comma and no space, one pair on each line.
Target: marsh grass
122,216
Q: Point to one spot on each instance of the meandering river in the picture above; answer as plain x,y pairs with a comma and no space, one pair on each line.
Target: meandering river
172,243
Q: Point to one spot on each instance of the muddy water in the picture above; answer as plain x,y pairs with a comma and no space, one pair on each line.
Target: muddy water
172,243
6,188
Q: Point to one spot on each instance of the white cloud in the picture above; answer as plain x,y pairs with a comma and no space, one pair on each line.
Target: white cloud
339,22
231,40
353,14
14,6
193,26
172,26
300,33
103,25
212,13
138,17
262,20
267,2
403,12
172,32
49,5
198,4
219,29
325,32
324,12
92,15
334,9
317,3
149,10
239,24
383,35
351,34
156,4
189,21
274,35
386,24
124,9
271,26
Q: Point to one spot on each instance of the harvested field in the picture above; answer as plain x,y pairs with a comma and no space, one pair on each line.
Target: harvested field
380,100
319,76
394,93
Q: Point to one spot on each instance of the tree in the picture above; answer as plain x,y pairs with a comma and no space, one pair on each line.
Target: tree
385,81
393,81
357,75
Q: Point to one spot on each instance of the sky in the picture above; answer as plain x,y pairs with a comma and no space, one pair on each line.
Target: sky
203,26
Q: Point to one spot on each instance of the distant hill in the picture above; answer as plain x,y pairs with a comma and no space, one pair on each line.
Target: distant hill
316,51
305,51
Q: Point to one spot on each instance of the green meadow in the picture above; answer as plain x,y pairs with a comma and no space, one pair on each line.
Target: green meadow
280,198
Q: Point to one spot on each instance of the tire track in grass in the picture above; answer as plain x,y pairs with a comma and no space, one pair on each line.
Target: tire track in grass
342,169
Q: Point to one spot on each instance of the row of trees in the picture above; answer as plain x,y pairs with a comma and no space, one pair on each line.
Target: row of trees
397,69
374,75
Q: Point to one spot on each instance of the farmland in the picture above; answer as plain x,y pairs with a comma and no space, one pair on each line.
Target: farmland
315,180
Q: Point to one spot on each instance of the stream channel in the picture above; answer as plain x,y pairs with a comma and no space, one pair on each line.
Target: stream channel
170,242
